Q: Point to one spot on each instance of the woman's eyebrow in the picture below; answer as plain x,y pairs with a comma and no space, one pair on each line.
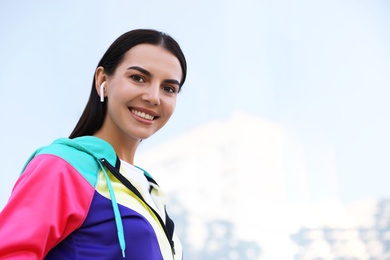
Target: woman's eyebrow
172,81
142,70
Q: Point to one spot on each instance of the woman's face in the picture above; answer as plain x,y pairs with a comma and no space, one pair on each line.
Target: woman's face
142,92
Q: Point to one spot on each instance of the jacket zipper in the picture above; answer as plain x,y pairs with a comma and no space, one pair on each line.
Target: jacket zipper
130,186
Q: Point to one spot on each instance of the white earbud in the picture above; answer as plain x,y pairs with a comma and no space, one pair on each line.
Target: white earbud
102,91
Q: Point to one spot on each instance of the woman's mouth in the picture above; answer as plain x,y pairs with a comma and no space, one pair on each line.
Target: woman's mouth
142,114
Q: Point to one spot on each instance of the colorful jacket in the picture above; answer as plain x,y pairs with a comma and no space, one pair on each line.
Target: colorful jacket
68,204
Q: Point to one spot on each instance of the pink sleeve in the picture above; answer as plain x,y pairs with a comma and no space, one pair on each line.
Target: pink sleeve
48,202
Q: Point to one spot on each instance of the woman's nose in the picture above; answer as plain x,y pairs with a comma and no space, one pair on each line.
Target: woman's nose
152,94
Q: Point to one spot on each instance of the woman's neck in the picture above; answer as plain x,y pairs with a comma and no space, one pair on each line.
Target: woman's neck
124,148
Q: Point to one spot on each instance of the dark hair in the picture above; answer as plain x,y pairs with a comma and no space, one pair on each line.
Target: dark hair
95,111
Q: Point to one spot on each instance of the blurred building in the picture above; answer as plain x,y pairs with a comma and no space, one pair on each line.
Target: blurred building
361,242
243,188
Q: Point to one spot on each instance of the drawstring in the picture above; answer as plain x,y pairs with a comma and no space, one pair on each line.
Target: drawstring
117,214
118,219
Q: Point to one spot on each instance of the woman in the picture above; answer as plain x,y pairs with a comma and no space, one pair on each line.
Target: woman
82,197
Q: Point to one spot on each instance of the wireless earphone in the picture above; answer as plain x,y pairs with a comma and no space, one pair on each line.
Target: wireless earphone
102,91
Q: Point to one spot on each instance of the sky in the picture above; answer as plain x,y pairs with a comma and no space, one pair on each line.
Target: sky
318,68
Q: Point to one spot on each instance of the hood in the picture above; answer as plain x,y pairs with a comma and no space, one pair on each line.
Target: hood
86,153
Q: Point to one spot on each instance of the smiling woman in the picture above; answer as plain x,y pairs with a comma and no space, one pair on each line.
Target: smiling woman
84,195
144,88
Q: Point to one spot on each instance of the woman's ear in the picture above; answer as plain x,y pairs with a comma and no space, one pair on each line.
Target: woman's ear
100,82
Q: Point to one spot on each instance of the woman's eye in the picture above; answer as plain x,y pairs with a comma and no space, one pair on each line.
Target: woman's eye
137,78
170,89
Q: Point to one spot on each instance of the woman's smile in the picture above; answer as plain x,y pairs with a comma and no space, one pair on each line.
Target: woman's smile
143,115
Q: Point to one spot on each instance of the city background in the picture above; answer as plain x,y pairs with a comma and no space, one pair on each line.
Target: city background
246,193
279,145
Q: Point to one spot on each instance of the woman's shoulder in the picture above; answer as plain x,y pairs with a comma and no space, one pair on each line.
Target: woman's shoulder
82,153
85,147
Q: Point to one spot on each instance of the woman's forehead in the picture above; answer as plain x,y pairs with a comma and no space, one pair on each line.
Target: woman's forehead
152,57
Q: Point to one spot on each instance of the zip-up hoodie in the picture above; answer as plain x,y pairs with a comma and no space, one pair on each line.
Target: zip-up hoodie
71,202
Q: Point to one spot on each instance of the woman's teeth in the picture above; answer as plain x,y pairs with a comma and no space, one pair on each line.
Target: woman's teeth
142,114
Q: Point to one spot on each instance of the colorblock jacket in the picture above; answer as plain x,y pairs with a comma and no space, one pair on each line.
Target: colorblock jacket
71,202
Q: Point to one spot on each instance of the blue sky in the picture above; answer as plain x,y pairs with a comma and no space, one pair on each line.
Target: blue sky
319,68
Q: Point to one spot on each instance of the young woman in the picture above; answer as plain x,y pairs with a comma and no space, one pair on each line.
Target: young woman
82,197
